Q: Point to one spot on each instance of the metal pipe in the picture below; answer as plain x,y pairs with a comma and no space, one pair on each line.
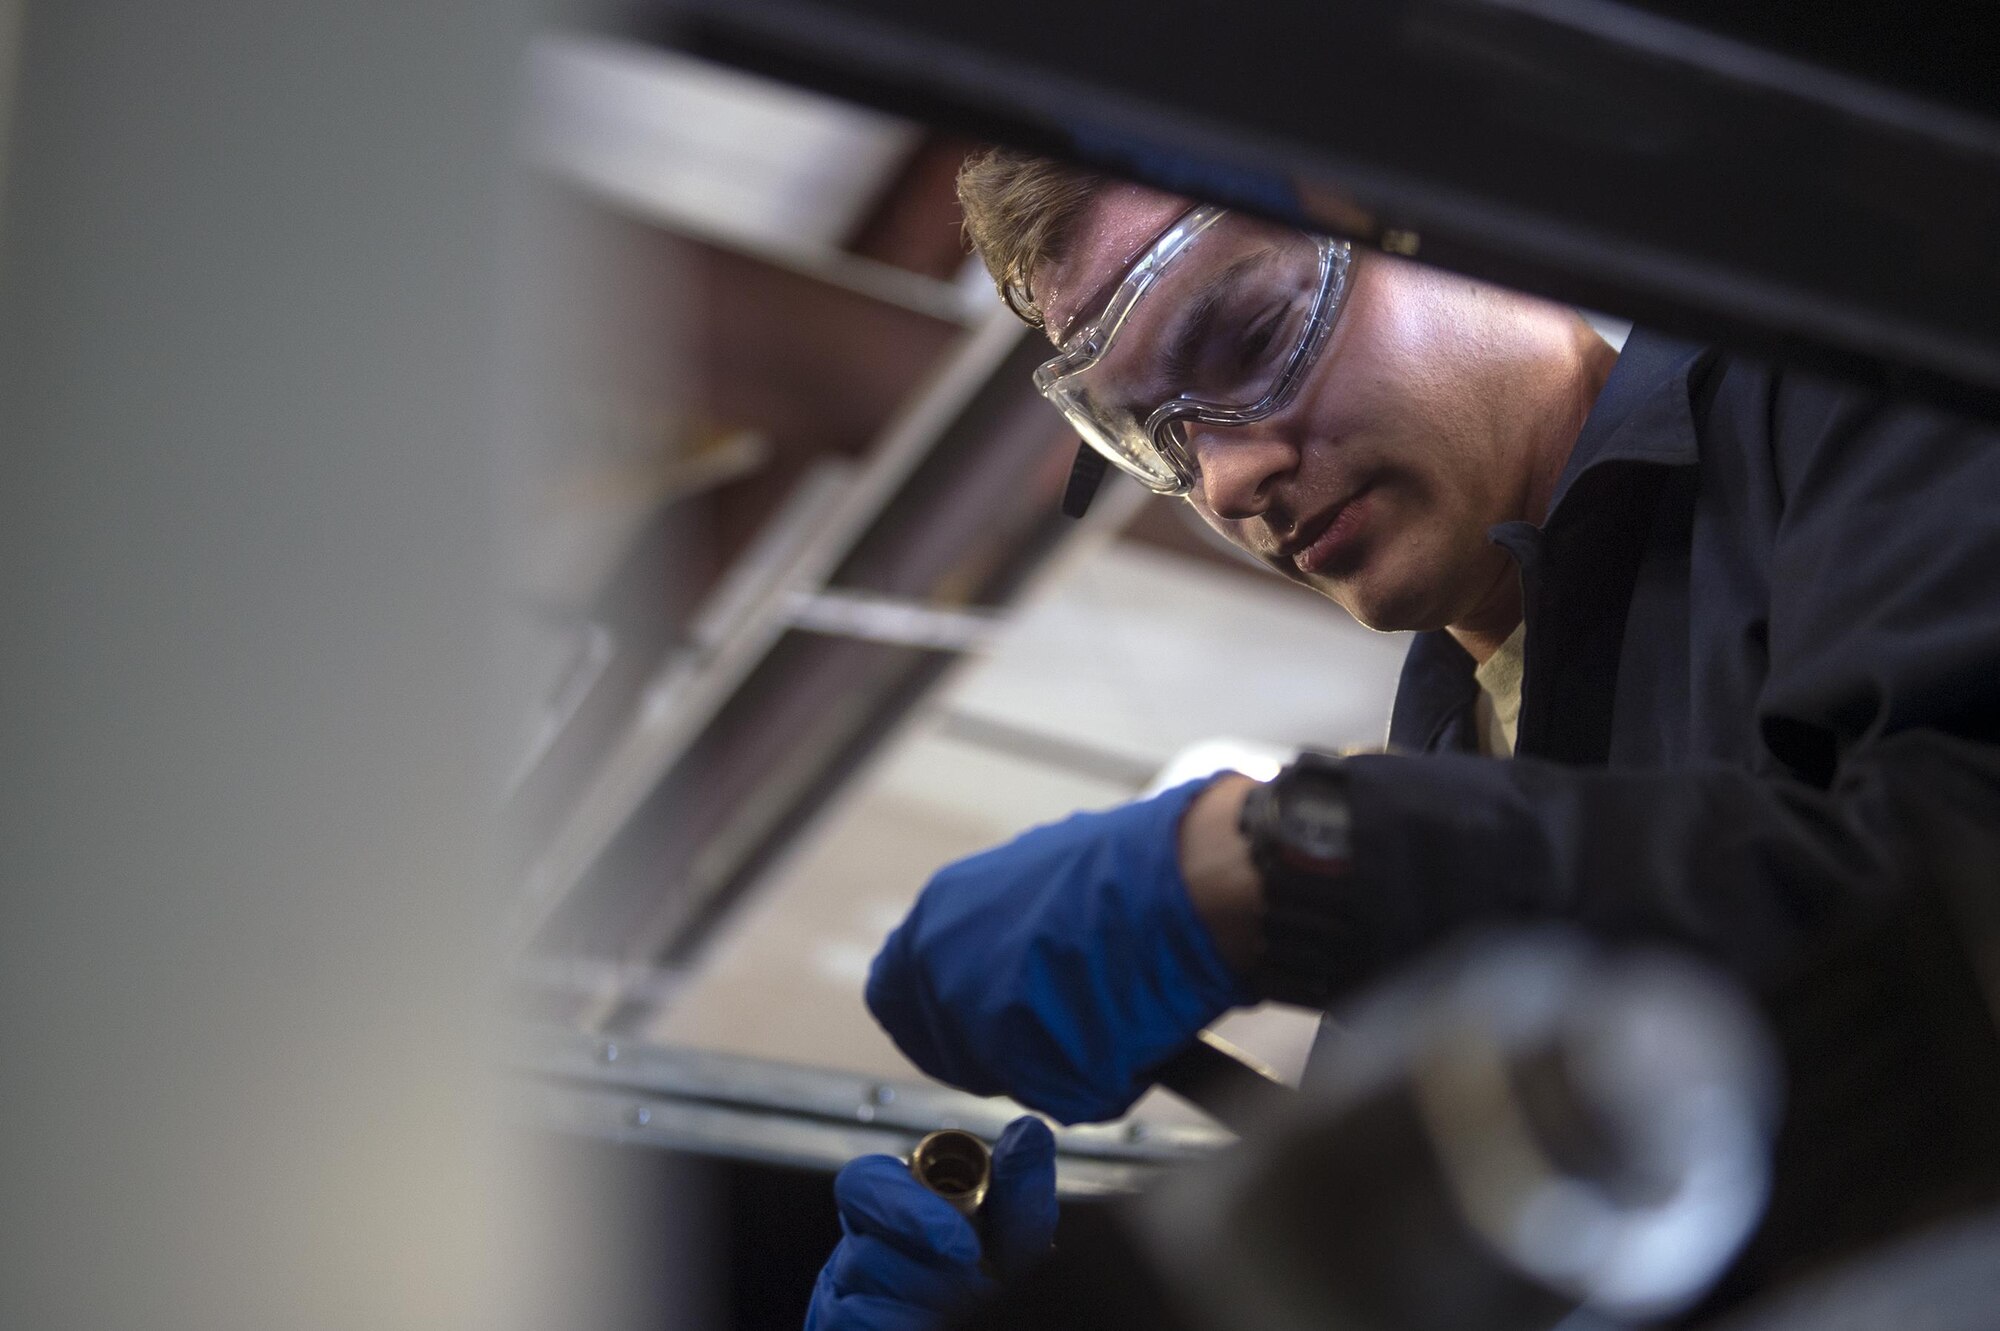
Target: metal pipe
956,1166
1225,1083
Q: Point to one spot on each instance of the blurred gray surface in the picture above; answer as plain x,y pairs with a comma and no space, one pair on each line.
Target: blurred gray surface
248,317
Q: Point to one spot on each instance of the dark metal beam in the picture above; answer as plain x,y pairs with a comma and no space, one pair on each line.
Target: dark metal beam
1840,207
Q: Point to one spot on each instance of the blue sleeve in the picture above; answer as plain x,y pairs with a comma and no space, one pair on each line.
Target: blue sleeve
1058,968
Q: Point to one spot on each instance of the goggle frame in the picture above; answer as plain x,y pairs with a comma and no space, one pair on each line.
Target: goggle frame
1088,345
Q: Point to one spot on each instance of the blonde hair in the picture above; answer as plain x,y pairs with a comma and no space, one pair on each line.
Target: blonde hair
1021,211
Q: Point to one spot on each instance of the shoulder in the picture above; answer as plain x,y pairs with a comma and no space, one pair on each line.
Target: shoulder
1799,424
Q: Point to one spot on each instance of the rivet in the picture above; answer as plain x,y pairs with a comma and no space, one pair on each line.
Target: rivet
882,1095
865,1113
608,1052
1137,1132
641,1116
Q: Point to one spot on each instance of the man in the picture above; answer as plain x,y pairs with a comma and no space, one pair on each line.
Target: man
1734,624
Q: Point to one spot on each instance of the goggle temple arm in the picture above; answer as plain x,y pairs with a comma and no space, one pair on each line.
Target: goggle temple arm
1085,475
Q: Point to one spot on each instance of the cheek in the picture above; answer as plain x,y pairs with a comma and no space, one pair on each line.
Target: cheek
1398,368
1389,334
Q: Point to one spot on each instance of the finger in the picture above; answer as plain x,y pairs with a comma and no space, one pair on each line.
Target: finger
878,1196
863,1264
896,995
822,1311
1021,1200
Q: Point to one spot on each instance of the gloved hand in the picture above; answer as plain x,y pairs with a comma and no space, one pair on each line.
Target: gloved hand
1059,968
909,1262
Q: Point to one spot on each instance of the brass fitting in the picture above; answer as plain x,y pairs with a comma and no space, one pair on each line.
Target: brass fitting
956,1166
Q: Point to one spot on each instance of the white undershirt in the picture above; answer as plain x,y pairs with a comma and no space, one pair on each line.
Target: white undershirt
1498,710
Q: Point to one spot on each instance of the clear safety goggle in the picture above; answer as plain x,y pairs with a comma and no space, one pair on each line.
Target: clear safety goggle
1215,324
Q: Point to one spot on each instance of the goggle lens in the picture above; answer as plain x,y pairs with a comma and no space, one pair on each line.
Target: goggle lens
1214,327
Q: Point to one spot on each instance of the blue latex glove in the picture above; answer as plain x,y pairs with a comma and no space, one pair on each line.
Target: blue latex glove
909,1262
1059,968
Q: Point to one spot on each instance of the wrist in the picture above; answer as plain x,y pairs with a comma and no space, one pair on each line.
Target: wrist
1299,831
1222,882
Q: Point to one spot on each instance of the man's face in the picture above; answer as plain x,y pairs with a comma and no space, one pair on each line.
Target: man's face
1376,484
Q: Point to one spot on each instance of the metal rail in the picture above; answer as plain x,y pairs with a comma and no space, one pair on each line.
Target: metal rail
758,1109
746,617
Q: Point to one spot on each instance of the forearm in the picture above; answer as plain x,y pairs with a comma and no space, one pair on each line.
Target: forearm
1221,881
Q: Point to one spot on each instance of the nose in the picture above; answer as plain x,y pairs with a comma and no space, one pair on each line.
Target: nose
1240,468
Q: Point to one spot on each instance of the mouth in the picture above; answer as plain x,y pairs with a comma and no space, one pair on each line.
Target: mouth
1331,539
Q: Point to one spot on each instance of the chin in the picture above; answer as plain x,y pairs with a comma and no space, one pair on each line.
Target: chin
1385,608
1391,621
1414,577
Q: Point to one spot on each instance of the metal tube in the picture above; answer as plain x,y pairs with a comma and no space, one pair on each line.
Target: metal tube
956,1166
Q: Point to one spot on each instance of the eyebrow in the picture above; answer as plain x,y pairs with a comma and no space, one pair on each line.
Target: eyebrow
1197,318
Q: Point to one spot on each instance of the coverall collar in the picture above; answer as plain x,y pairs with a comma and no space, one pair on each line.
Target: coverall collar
1643,415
